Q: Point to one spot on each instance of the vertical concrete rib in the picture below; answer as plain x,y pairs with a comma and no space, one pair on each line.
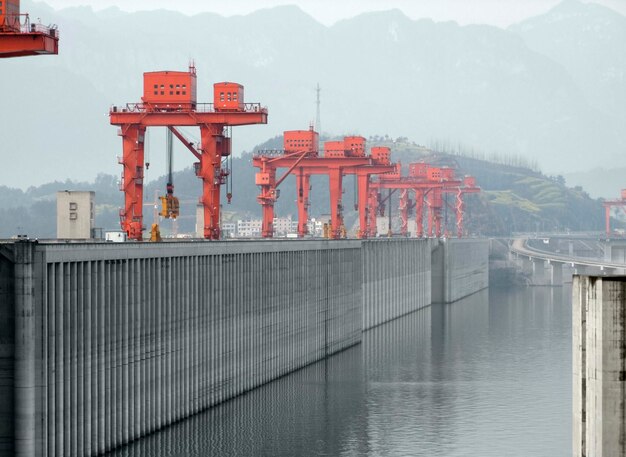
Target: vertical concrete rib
144,335
117,394
125,318
80,366
169,336
59,362
67,341
87,357
157,303
150,285
24,363
579,330
137,326
108,367
51,359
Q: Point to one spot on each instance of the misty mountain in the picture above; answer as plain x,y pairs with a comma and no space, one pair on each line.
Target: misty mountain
490,89
588,40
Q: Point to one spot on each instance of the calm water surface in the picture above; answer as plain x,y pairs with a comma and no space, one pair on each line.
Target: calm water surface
486,376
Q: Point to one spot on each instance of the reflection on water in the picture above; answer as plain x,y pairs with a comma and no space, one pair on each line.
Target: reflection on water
489,376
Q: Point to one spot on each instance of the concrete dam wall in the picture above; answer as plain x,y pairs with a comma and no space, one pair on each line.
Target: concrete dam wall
459,268
396,279
103,343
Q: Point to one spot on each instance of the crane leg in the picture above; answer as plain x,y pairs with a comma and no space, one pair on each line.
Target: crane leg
211,174
419,213
373,212
267,228
363,189
268,197
302,183
336,219
431,214
131,217
404,212
460,208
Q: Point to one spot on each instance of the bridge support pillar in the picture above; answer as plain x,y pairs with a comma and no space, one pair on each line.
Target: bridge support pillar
556,274
539,272
527,265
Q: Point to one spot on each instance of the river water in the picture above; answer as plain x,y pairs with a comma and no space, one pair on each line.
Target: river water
487,376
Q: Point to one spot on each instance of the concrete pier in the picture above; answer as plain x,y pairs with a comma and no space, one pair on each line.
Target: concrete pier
599,366
539,272
101,343
556,274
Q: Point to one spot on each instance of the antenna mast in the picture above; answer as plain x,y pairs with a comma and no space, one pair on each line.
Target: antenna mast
318,122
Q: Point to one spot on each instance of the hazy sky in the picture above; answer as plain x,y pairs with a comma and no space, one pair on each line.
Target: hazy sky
496,12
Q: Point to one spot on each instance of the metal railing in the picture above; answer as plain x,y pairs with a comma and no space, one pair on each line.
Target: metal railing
269,153
20,23
178,107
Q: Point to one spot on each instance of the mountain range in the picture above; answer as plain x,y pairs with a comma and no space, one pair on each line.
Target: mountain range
550,88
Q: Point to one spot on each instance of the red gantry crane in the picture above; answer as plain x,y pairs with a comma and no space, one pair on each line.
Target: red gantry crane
19,37
301,157
169,100
608,204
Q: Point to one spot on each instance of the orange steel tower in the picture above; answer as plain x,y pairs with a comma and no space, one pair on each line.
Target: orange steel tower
169,100
301,157
19,38
608,204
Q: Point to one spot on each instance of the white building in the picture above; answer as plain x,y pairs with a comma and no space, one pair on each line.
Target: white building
229,229
76,214
249,229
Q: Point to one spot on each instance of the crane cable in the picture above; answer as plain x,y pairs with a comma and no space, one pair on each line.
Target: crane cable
170,161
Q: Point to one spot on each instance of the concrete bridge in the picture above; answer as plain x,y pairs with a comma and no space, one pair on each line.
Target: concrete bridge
101,344
546,266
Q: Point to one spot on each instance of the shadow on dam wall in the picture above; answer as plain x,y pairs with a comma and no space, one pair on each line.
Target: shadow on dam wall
103,343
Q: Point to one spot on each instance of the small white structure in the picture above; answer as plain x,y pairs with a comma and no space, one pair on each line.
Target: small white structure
116,237
75,214
199,221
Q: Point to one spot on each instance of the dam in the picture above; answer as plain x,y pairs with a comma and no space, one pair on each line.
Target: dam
102,343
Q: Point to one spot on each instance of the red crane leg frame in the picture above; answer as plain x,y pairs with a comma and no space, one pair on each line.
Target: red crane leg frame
267,199
460,207
437,212
419,213
211,175
372,213
363,190
302,182
431,217
132,181
404,212
336,189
